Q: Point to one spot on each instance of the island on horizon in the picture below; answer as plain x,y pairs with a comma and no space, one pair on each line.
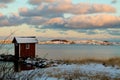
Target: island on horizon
65,41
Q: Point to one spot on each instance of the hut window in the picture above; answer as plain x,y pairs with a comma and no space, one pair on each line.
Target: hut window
27,46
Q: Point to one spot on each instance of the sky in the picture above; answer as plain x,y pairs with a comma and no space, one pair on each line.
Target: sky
73,19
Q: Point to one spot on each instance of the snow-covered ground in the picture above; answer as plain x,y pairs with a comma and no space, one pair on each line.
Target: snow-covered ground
91,71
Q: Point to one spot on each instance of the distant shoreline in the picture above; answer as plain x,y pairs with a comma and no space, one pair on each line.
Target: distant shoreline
91,42
63,41
5,41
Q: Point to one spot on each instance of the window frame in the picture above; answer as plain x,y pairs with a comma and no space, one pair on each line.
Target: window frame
27,46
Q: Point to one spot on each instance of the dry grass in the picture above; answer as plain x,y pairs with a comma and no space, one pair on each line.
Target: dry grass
107,62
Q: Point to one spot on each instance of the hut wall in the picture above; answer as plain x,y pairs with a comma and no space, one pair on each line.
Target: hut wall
24,52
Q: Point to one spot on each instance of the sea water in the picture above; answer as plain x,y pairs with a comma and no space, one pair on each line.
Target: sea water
71,51
76,51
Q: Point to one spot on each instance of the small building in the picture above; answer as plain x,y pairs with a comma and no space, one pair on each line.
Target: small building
24,47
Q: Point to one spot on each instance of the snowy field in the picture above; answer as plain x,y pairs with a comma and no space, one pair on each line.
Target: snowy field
90,71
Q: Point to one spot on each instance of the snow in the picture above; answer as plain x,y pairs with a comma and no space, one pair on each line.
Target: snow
46,78
96,68
99,68
90,69
26,40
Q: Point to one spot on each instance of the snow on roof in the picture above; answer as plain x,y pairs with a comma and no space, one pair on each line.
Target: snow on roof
25,40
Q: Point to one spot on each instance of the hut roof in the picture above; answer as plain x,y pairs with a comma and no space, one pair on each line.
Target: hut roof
25,40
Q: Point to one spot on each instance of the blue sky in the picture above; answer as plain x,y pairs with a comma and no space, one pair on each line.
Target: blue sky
76,19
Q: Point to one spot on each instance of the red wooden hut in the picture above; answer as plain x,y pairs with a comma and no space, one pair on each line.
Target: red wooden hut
24,47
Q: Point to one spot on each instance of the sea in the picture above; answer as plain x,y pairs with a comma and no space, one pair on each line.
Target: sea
69,51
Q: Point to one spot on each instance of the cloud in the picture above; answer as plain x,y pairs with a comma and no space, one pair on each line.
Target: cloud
36,2
114,1
6,1
55,20
52,14
9,21
1,14
95,21
45,12
74,22
3,6
3,3
114,31
84,22
15,20
54,23
58,8
23,9
34,20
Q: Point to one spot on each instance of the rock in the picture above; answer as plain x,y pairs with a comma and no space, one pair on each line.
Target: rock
7,57
55,64
42,63
1,58
28,61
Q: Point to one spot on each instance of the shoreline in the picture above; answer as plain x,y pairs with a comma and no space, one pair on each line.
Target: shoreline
63,41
